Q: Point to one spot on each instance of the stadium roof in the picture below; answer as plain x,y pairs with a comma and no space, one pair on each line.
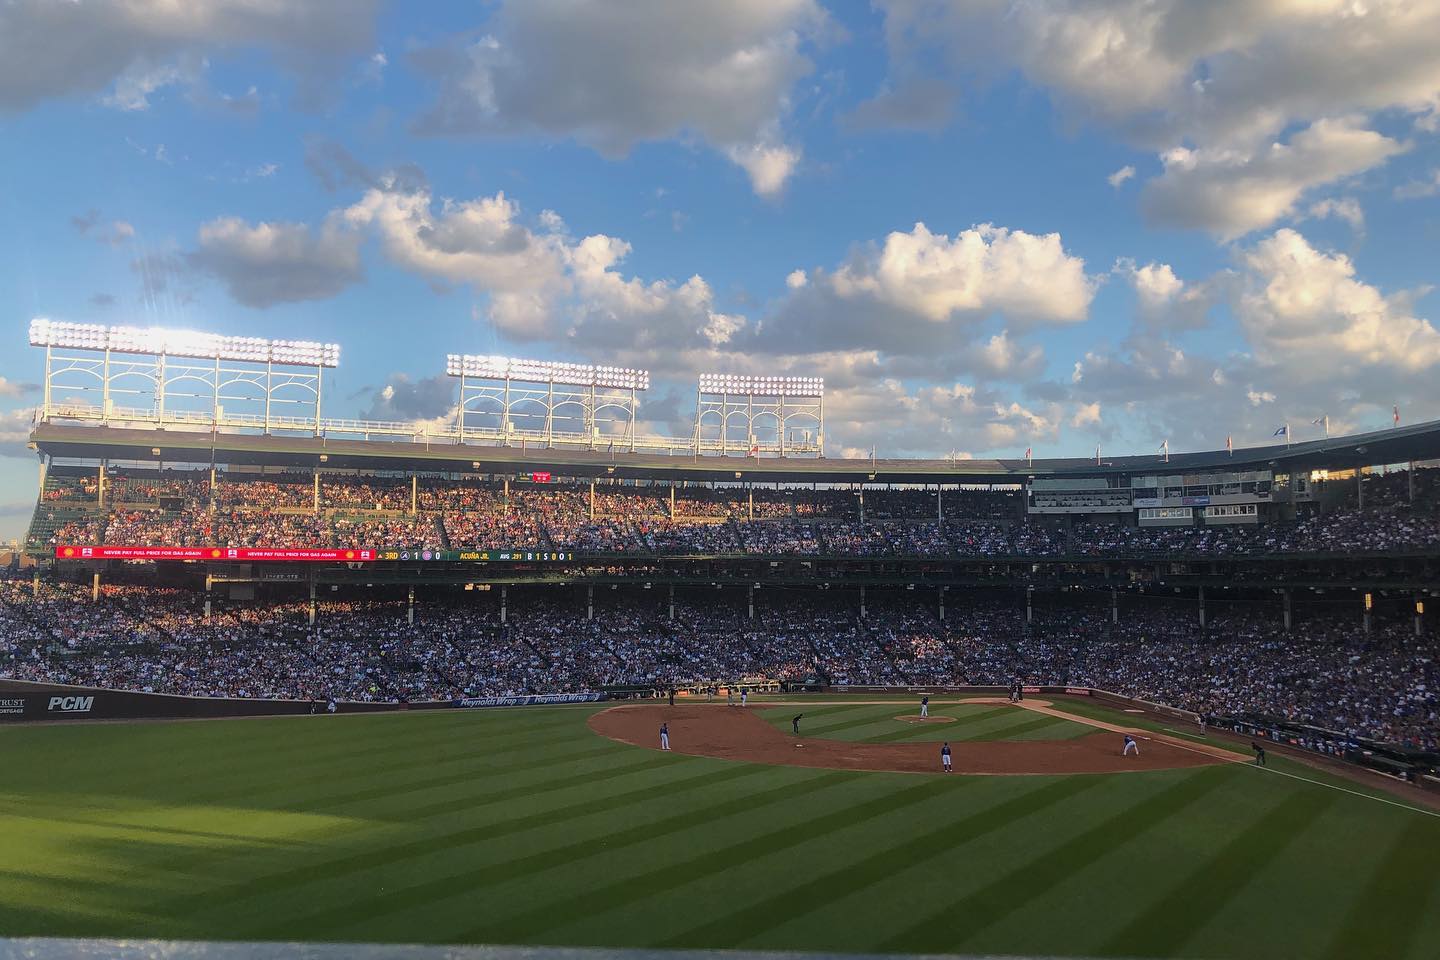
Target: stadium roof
1419,441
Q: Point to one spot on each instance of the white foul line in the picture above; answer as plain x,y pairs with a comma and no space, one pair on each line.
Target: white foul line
1357,793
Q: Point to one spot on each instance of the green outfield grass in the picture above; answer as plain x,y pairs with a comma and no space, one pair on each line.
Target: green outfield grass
520,826
876,723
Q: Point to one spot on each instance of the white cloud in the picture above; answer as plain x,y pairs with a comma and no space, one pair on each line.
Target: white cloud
796,279
542,285
112,234
1429,186
1234,192
1209,85
479,242
1347,209
271,263
657,315
1166,301
981,270
614,75
133,88
56,49
1002,357
1312,337
768,166
1085,415
1304,309
956,416
1120,176
15,428
1222,72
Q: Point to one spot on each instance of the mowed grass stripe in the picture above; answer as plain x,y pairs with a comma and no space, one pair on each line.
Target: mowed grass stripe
470,766
1029,724
187,779
751,922
343,916
1018,887
231,753
208,859
949,731
535,921
270,883
854,718
884,723
1382,922
399,756
1168,924
782,715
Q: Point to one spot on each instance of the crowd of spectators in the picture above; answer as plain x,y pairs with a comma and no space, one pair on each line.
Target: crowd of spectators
177,508
1327,671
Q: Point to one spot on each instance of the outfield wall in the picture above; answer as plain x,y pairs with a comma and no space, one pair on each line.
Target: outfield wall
24,700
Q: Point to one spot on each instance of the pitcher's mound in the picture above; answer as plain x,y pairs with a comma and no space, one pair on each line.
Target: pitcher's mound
933,718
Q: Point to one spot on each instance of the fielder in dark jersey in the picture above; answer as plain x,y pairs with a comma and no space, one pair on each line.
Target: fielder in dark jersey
945,756
795,724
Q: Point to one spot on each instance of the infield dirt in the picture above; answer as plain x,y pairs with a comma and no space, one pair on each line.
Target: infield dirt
737,733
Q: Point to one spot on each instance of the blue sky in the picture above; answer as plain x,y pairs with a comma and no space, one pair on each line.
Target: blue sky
1143,219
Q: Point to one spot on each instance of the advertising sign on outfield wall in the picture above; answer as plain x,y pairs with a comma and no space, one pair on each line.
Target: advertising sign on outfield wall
528,701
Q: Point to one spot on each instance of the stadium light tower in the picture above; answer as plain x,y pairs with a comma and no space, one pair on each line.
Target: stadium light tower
771,403
548,391
83,359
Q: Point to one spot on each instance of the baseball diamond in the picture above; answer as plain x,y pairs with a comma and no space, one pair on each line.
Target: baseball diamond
523,825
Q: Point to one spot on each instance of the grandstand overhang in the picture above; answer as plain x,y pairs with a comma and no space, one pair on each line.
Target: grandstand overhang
58,439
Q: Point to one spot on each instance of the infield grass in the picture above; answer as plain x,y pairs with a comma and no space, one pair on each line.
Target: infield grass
520,826
877,723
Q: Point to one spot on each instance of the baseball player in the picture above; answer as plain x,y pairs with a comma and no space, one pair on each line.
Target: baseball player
1130,747
795,724
924,707
744,695
945,756
1259,754
664,736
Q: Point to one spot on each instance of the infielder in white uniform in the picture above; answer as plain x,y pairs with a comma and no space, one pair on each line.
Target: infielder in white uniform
664,736
1130,746
924,707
